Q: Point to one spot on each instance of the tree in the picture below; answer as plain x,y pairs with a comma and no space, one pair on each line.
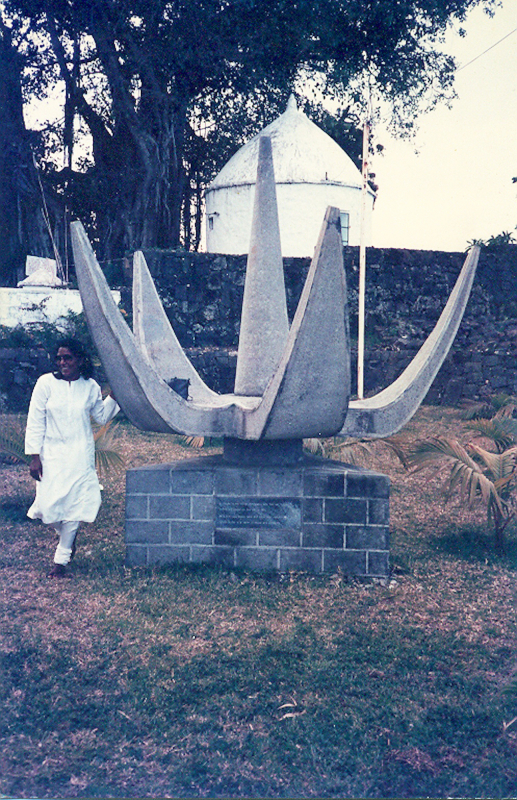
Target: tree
22,225
166,89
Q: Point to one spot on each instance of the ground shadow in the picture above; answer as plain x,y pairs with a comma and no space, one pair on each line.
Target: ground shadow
14,509
476,544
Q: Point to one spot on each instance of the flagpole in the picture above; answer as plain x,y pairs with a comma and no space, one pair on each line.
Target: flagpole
362,263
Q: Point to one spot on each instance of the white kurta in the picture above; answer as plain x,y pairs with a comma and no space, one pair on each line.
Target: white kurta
59,430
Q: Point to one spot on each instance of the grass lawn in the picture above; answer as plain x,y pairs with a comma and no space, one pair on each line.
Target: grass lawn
200,682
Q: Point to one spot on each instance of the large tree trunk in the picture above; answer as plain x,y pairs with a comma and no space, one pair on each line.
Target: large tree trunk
134,191
22,227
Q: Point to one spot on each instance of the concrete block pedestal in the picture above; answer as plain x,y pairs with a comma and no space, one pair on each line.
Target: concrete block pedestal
314,515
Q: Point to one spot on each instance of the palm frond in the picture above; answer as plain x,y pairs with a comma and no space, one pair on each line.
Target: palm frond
193,441
465,473
314,446
499,465
426,451
505,404
107,457
499,405
398,445
12,442
354,451
476,409
502,431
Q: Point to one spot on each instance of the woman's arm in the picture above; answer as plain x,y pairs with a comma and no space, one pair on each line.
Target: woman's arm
36,425
103,411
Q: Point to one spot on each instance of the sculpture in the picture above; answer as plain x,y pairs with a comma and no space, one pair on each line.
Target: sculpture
263,504
290,383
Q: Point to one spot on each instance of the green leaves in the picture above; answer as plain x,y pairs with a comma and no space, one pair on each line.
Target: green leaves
474,471
502,431
12,442
107,457
167,91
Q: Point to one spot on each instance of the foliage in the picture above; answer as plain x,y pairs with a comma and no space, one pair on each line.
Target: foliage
23,228
475,472
108,458
45,335
12,441
358,452
500,405
200,442
501,431
505,237
163,92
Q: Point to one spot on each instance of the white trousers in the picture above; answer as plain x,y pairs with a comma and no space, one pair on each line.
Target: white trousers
67,531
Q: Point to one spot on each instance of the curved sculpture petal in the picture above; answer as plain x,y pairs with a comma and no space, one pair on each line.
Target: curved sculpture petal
386,412
155,335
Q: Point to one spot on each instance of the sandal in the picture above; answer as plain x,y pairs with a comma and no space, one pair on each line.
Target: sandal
57,571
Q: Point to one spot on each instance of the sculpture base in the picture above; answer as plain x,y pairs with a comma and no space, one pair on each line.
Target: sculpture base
314,515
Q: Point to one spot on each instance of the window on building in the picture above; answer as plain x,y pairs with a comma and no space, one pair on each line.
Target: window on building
211,219
345,227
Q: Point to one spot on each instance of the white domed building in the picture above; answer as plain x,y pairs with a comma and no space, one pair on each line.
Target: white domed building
311,172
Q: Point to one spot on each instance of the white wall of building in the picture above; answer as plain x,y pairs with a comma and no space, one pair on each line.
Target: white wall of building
37,304
301,209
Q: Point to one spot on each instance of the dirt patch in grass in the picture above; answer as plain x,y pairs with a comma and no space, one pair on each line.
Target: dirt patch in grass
193,681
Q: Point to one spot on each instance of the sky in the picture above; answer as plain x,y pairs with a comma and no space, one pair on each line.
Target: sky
452,182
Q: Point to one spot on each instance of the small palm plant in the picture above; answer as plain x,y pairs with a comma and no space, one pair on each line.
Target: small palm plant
352,451
476,472
498,405
358,452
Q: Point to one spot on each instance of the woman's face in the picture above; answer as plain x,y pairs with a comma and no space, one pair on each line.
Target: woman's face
68,365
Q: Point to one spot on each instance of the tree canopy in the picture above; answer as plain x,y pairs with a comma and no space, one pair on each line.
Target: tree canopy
164,92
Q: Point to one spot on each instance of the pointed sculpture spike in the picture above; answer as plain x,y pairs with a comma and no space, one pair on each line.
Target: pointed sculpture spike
309,392
264,322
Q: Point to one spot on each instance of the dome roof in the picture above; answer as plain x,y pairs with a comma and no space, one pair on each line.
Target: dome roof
302,153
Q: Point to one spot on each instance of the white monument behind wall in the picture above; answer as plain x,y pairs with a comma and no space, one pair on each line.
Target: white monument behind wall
311,172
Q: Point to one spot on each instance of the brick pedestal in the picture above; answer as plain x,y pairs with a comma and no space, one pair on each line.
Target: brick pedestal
317,516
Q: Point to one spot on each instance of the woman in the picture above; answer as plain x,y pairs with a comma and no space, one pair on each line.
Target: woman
59,439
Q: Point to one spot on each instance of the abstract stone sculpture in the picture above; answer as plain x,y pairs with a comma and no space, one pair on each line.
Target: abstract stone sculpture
264,504
290,384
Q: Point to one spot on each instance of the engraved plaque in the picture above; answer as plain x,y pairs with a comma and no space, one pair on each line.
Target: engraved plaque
239,512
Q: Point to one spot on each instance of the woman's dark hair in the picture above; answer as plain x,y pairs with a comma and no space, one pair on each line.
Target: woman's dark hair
77,349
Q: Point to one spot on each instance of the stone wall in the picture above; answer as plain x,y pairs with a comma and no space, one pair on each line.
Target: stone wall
19,370
406,291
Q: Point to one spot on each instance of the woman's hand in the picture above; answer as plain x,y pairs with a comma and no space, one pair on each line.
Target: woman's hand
36,468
